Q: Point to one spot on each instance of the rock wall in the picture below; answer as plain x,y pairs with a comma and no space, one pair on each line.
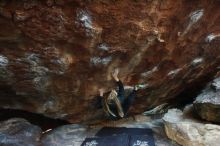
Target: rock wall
55,55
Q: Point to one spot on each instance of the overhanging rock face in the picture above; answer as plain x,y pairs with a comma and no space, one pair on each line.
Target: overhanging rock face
55,55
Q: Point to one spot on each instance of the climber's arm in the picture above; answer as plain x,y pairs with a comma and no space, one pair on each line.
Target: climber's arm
100,98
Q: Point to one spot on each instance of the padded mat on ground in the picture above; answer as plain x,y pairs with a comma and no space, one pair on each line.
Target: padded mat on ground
136,136
110,131
141,140
120,140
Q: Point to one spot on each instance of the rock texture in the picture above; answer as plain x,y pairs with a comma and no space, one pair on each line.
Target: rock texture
19,132
74,134
183,128
55,54
207,104
67,135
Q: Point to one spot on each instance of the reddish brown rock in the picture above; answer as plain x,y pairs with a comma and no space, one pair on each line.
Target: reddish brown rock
54,55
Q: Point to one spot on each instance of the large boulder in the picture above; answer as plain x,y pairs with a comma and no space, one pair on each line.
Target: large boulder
66,135
55,55
207,104
183,128
19,132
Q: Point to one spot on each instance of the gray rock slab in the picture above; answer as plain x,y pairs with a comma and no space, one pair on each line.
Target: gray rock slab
19,132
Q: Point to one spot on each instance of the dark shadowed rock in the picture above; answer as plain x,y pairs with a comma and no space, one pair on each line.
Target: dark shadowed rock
55,55
19,132
186,130
207,104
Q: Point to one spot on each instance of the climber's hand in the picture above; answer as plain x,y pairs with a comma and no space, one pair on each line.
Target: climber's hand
101,92
115,74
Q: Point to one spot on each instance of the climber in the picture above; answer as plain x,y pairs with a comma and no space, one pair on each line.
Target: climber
115,104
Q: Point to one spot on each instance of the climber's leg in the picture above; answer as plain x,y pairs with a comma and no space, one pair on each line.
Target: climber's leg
128,101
